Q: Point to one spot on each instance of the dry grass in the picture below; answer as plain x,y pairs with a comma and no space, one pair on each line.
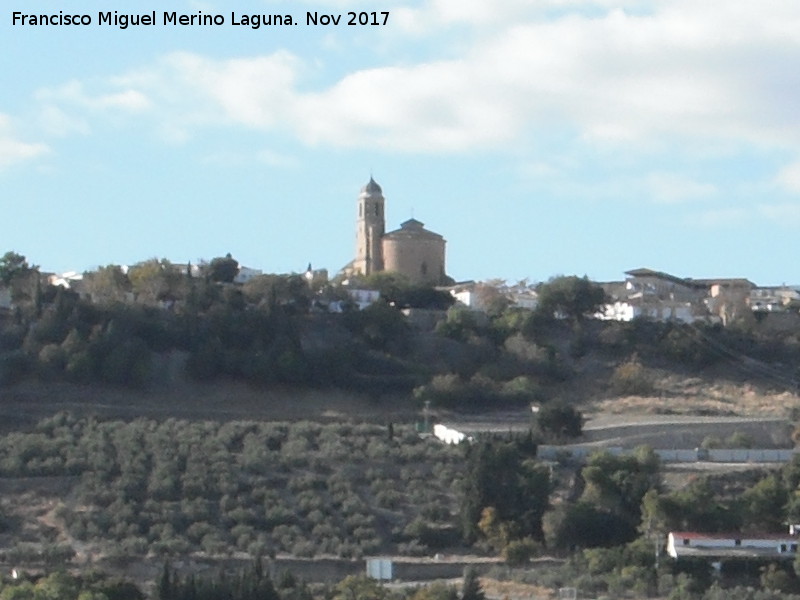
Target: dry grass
515,591
693,396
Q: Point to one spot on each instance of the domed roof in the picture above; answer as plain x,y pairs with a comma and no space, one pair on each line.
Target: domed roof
412,229
371,187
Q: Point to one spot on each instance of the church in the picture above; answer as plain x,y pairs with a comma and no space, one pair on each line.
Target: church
412,250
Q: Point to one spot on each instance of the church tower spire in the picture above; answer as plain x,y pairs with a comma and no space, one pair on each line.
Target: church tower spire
370,227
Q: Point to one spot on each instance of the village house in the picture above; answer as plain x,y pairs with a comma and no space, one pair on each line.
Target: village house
363,298
480,296
245,274
522,296
727,299
464,294
68,280
684,544
660,296
656,295
774,298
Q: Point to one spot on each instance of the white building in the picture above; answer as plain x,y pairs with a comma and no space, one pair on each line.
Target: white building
464,294
682,544
481,296
245,274
773,298
65,280
449,435
656,295
664,310
363,298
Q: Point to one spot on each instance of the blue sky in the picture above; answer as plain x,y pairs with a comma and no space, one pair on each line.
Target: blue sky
540,137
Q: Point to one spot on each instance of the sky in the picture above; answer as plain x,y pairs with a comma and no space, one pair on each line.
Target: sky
539,137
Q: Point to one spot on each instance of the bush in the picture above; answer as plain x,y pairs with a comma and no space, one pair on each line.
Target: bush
584,525
631,379
519,552
14,366
559,420
52,360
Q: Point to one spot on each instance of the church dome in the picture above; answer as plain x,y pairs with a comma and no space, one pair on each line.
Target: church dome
371,188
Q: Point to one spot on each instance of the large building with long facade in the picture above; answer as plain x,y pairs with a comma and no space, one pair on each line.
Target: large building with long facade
411,250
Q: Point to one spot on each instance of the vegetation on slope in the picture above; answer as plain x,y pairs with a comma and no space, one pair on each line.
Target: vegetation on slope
173,488
305,489
144,327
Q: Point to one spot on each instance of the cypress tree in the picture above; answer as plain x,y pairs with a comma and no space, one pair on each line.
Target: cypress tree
165,591
472,589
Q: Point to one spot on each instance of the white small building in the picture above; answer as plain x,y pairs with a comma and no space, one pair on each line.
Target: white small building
363,298
381,569
464,294
66,280
528,300
773,299
245,274
481,296
448,435
681,544
666,310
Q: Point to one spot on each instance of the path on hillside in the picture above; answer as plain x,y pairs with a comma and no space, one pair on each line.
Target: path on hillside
657,431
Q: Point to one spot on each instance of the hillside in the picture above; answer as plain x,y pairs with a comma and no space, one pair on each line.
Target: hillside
135,434
274,338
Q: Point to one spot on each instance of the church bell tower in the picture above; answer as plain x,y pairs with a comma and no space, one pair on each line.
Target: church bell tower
370,227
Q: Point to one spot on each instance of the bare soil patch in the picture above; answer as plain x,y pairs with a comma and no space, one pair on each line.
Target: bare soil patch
694,396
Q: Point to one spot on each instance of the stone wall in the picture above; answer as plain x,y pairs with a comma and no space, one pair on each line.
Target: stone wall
419,259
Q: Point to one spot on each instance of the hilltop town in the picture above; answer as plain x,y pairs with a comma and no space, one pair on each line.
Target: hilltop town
417,257
392,321
633,438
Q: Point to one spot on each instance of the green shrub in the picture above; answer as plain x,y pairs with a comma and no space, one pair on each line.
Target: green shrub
632,379
14,366
519,552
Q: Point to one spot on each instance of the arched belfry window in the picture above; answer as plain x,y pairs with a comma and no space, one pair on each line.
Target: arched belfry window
377,210
424,268
360,210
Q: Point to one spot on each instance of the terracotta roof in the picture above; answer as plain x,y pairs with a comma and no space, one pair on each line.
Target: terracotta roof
412,229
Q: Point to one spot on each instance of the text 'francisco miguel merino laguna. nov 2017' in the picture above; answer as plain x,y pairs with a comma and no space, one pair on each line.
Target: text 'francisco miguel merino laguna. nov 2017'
198,19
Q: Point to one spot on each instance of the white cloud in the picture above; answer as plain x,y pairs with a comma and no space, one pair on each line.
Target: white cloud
436,14
74,93
236,159
14,151
187,91
706,73
719,217
55,121
429,107
789,177
787,213
673,188
279,160
70,108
